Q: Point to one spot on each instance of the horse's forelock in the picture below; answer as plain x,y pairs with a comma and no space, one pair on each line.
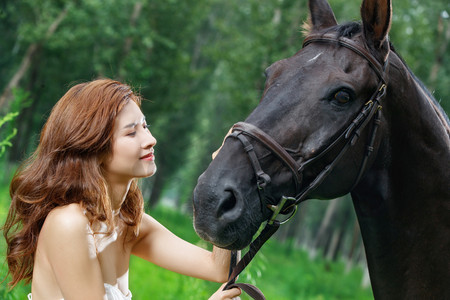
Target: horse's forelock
307,27
347,30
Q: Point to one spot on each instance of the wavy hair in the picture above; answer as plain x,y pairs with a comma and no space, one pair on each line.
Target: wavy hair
67,168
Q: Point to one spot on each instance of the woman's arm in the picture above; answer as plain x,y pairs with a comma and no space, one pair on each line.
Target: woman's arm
158,245
70,250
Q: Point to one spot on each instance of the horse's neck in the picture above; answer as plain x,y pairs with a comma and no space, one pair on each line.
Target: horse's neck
406,235
419,131
416,101
403,203
438,114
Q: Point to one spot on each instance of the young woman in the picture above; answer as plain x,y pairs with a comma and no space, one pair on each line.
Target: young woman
77,213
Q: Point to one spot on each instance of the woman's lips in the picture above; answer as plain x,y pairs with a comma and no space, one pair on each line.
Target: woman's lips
150,157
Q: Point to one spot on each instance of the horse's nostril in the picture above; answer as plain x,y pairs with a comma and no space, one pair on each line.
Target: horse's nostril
226,205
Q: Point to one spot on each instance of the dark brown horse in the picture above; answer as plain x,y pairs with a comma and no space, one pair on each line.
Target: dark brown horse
343,115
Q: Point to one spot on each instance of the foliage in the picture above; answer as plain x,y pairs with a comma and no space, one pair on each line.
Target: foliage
21,99
6,141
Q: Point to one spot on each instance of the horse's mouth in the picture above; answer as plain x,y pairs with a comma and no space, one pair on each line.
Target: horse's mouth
230,237
238,244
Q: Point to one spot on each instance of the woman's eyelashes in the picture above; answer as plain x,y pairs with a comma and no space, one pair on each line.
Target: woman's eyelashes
144,126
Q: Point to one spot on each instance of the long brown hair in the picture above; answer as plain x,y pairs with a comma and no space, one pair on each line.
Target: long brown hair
67,168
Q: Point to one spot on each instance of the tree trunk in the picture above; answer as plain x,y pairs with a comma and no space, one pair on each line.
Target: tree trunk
325,224
5,97
302,236
333,245
129,40
356,237
365,282
25,120
157,188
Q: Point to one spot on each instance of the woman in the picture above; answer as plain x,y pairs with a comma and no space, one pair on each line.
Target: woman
77,213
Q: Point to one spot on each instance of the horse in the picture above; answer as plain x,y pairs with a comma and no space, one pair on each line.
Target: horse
343,115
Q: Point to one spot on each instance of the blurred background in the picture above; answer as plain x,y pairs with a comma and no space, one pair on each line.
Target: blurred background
199,65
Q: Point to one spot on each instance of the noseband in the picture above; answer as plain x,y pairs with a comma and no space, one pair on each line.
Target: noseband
288,204
242,131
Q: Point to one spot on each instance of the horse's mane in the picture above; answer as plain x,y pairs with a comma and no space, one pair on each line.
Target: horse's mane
350,29
442,115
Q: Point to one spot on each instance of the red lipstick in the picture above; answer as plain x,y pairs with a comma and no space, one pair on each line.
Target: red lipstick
149,157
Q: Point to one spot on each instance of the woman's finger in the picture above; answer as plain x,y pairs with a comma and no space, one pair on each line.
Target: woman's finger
231,293
217,151
225,295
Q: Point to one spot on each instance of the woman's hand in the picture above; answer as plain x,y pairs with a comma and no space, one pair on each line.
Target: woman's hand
217,151
225,295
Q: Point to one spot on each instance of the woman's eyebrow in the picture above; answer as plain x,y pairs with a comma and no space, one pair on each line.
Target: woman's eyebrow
131,125
134,124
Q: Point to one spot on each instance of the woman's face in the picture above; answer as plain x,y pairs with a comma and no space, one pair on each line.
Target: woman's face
132,149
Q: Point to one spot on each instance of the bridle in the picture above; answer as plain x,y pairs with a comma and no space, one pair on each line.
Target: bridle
348,137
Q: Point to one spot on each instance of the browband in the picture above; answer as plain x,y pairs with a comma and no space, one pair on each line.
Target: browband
350,44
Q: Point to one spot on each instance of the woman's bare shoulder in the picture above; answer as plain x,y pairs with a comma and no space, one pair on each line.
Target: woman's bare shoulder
66,255
68,214
66,220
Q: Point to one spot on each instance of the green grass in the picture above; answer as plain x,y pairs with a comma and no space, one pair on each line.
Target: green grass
280,272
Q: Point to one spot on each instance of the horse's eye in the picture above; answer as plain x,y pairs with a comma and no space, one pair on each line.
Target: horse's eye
342,97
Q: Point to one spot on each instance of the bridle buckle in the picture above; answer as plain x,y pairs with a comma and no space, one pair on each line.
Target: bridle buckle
277,209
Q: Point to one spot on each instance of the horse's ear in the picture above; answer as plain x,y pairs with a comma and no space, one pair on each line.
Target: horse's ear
376,17
321,15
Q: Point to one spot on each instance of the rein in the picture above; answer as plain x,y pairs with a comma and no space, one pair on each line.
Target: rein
288,205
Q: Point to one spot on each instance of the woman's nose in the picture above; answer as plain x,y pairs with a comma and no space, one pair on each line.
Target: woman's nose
149,141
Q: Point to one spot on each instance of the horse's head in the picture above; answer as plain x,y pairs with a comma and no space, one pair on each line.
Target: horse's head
309,102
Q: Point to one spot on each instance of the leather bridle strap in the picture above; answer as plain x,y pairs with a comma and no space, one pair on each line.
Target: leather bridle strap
371,110
350,135
250,289
262,179
349,44
268,142
287,204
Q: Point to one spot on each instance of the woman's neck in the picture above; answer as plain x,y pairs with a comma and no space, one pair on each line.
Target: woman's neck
117,193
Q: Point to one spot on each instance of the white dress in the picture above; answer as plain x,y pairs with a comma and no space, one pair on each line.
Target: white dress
112,293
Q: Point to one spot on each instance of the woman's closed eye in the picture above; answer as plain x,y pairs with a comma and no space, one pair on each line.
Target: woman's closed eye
144,126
